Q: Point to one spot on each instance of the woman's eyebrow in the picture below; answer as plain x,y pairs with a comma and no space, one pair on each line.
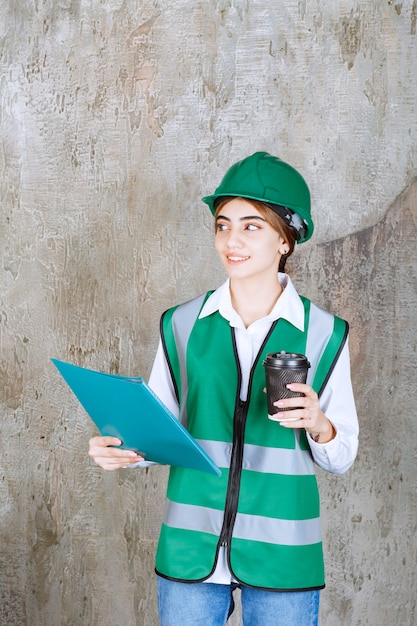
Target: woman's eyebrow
242,219
252,217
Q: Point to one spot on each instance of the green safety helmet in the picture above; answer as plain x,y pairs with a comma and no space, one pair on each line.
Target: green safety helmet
264,177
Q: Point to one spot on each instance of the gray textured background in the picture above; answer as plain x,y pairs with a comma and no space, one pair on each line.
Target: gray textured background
116,117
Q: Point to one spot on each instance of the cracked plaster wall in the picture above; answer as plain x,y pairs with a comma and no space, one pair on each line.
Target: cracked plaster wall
116,117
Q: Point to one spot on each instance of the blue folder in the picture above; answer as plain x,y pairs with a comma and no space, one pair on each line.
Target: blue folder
128,409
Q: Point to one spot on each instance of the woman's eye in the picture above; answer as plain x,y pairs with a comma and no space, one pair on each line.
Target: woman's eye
221,227
251,227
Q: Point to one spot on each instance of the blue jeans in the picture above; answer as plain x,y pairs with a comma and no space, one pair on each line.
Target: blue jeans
208,604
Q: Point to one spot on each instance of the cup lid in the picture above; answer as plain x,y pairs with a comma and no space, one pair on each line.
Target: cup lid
290,360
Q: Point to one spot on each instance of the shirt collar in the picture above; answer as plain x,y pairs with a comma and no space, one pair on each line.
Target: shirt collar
288,306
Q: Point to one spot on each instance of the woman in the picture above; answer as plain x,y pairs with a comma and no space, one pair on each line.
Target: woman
257,526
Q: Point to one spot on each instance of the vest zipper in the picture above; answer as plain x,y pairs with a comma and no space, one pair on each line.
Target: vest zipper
235,471
239,423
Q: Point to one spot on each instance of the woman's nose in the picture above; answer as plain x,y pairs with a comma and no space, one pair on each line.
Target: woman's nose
234,238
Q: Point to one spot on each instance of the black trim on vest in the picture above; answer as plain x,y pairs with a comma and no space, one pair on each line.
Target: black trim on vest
164,346
337,355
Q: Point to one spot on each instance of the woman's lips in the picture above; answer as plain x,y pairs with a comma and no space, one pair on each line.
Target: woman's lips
232,258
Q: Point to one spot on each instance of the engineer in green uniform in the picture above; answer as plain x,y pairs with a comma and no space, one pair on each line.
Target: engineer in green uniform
257,527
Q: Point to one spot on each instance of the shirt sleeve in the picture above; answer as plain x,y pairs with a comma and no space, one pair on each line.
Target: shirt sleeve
338,404
161,383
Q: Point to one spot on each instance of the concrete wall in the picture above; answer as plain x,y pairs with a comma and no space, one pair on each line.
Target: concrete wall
116,117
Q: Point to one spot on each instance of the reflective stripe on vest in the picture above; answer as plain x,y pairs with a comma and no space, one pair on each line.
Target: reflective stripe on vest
261,459
183,321
253,528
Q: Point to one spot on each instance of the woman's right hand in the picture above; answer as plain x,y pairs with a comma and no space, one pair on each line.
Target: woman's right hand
108,457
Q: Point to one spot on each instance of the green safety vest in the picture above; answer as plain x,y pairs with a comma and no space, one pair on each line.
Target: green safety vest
264,508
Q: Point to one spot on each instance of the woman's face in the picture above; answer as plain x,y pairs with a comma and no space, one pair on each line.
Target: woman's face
247,245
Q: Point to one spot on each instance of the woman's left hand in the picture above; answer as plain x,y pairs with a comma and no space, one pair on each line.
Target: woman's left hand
305,413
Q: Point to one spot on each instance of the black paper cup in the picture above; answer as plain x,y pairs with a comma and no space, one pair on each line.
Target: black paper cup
281,369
